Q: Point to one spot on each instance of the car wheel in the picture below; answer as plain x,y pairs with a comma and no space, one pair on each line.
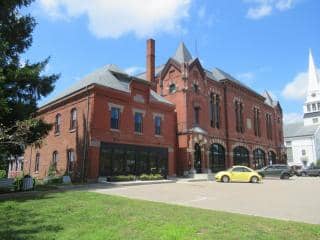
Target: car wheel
285,176
254,179
303,174
225,179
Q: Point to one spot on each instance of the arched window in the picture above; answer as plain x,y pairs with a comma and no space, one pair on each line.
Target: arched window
259,158
241,156
55,158
37,163
172,88
71,160
73,119
217,158
197,158
57,123
271,157
196,88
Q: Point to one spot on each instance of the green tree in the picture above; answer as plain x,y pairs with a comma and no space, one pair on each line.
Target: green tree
21,85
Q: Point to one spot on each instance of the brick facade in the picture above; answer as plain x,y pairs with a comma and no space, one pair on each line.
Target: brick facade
188,139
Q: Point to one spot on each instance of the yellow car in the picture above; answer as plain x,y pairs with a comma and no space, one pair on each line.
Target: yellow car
238,174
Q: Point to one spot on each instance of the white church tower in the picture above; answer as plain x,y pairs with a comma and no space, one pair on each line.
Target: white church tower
311,108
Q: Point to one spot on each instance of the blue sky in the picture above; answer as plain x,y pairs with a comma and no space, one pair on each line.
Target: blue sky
263,43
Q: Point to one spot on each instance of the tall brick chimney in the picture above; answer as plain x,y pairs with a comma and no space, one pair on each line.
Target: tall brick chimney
150,63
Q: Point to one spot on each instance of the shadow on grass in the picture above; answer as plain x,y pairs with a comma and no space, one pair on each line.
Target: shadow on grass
19,221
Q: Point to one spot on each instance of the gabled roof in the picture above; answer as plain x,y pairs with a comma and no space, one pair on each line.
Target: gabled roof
298,129
269,100
182,54
221,75
157,71
110,76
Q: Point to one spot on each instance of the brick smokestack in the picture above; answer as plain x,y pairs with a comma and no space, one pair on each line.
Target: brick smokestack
150,62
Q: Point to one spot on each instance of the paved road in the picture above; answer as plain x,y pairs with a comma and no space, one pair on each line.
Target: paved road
297,199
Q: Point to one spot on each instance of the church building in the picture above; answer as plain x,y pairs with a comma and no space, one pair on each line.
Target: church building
302,139
175,119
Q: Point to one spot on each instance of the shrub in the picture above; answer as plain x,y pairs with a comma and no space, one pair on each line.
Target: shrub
53,180
145,177
52,170
122,178
3,174
18,181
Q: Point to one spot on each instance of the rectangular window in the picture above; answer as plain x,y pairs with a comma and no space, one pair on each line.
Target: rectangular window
196,115
217,111
57,124
73,119
269,126
157,123
138,122
115,116
212,111
239,116
308,108
37,163
314,107
236,106
256,122
71,160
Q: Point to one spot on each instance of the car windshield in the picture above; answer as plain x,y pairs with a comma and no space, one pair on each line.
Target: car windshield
229,169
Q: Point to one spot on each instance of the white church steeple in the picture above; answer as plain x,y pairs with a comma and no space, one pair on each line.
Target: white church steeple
312,105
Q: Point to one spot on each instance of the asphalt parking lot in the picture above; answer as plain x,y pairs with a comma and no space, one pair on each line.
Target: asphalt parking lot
297,199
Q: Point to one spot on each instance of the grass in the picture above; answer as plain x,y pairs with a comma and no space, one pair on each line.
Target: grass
85,215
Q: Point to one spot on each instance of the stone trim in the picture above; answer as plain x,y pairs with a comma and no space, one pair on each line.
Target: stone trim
161,115
138,98
255,147
240,145
134,110
218,141
111,105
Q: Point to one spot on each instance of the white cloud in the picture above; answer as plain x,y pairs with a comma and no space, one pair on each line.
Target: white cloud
114,18
259,12
134,70
292,117
283,5
297,88
263,8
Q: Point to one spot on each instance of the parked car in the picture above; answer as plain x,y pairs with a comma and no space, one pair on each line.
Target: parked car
276,170
310,171
238,174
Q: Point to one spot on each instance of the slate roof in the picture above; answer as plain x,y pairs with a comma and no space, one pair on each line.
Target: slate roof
182,54
110,76
298,129
157,71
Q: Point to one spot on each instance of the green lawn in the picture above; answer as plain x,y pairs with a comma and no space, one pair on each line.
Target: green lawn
84,215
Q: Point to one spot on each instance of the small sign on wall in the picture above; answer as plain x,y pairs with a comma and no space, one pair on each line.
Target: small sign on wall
95,143
248,123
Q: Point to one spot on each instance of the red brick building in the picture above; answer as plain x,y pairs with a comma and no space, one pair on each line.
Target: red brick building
174,119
